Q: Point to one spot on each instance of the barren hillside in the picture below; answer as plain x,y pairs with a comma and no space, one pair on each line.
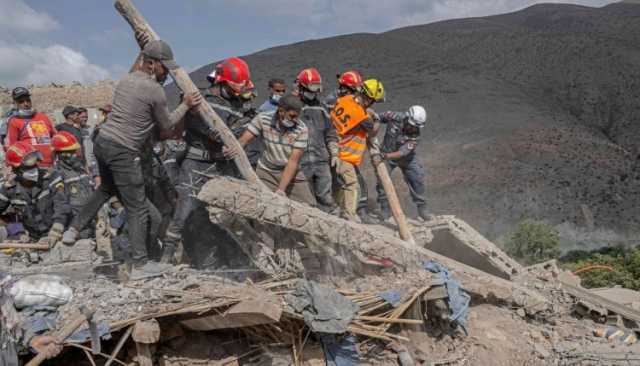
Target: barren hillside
533,114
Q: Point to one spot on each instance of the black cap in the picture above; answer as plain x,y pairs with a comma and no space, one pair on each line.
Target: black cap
69,110
160,51
291,103
20,92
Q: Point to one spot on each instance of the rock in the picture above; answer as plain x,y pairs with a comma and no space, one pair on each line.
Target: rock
521,313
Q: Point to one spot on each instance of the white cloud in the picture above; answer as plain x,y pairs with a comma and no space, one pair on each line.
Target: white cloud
24,64
16,16
23,61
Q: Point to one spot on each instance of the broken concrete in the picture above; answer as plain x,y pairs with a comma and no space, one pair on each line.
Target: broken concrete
457,240
350,249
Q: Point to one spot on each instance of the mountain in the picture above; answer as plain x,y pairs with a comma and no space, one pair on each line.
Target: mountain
532,114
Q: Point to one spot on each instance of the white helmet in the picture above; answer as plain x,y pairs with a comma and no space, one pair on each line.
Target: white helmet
417,116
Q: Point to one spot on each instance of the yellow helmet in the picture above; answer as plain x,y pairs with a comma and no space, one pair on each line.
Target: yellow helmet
373,89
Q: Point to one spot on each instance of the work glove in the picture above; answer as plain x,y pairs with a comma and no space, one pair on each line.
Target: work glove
378,158
55,233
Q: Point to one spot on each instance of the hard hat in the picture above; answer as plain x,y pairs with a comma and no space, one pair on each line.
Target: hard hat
234,72
373,89
64,141
22,154
351,79
417,116
310,79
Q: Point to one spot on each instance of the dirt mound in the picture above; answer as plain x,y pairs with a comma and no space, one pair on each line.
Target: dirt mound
532,114
51,97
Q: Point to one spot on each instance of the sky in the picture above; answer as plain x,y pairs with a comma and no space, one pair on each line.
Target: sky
64,41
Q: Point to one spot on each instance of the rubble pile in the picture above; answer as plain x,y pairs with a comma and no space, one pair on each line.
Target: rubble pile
48,98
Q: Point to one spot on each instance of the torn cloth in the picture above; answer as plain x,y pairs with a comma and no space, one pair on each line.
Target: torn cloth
323,308
458,300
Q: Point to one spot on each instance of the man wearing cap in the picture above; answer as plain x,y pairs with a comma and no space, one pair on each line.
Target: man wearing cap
29,126
285,138
229,93
139,106
71,122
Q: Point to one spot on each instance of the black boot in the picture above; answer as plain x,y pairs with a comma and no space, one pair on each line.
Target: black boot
425,214
365,217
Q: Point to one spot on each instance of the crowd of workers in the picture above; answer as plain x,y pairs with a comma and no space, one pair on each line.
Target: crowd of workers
151,159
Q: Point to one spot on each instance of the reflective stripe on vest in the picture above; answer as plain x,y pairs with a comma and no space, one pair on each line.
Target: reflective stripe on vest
346,116
352,146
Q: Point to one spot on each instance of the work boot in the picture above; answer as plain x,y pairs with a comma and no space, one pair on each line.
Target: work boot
365,217
425,214
149,269
168,254
385,213
70,236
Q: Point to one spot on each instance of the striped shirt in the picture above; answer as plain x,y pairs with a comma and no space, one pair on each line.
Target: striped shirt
279,142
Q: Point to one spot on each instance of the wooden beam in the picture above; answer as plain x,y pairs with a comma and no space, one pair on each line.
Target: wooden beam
392,195
244,314
184,82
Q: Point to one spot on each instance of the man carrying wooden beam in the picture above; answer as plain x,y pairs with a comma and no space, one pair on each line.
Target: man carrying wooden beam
139,106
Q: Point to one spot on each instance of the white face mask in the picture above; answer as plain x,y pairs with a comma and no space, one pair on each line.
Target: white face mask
288,123
275,98
25,113
31,174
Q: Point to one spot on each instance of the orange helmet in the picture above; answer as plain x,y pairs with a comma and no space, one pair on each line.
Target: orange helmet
350,79
22,154
310,79
64,141
234,72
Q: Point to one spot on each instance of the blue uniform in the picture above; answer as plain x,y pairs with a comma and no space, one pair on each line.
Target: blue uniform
396,140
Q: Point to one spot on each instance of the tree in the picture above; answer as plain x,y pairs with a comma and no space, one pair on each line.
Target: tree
533,242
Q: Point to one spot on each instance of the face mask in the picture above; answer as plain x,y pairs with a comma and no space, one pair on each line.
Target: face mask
25,113
310,96
275,98
288,123
31,174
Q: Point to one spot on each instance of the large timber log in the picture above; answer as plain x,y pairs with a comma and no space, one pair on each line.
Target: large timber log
367,244
184,82
392,195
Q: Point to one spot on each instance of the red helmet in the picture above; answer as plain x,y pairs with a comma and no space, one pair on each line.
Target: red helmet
310,79
64,141
234,72
351,79
22,154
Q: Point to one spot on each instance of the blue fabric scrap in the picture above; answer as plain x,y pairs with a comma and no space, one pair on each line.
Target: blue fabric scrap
339,351
393,297
458,299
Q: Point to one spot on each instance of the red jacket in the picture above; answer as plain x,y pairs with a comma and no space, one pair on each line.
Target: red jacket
36,131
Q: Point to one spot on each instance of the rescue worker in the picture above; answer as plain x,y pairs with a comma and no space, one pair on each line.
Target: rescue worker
139,106
256,147
356,126
203,153
285,138
277,88
30,126
29,195
70,182
349,83
399,151
322,150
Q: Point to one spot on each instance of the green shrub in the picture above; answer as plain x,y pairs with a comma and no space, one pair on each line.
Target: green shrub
624,262
533,242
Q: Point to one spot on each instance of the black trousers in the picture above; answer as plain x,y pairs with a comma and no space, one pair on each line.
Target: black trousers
121,173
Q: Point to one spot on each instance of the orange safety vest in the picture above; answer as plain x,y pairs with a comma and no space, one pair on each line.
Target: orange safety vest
347,115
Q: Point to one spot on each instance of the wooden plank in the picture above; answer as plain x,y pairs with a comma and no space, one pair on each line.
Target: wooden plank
244,314
184,82
392,195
